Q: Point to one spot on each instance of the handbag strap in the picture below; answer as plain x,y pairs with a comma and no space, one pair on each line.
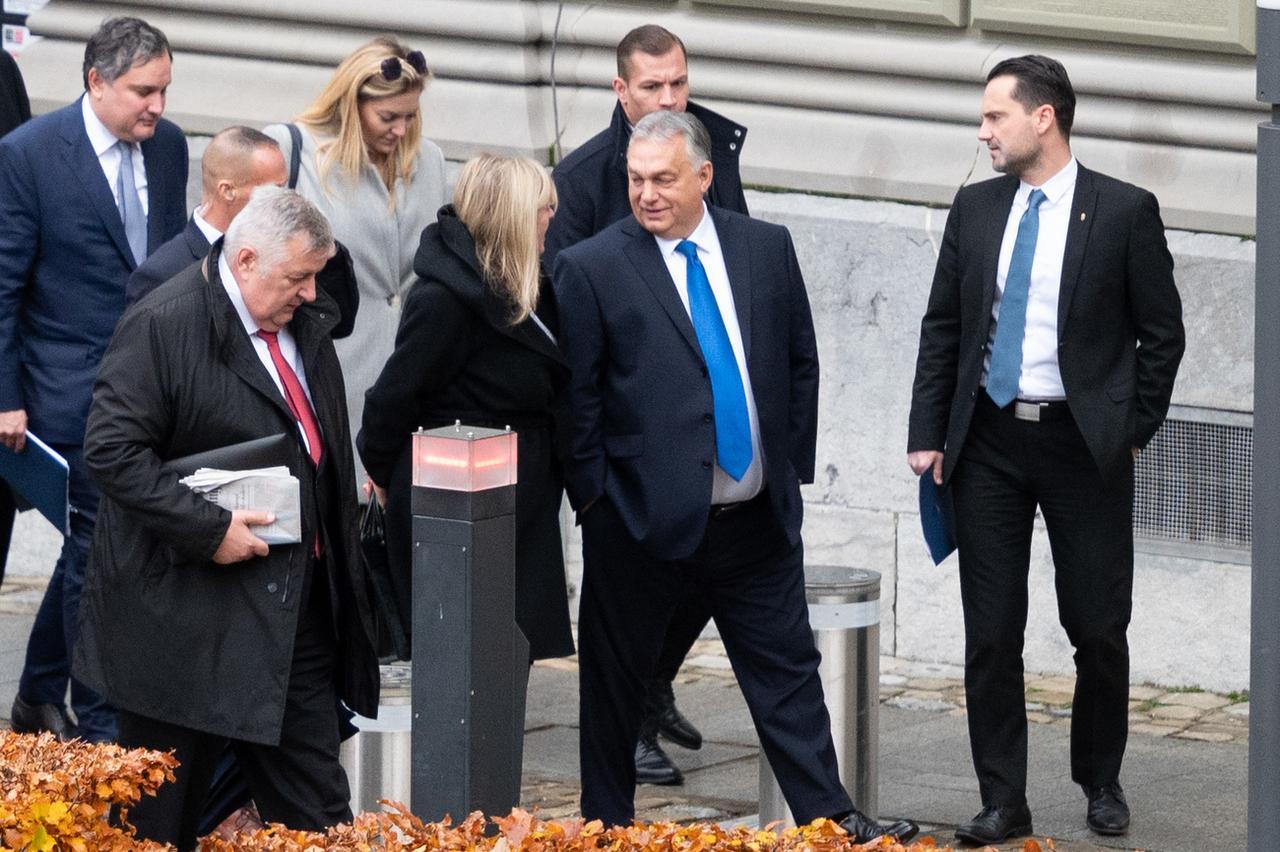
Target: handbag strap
295,155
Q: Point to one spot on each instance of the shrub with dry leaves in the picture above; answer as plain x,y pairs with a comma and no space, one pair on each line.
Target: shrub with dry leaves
56,796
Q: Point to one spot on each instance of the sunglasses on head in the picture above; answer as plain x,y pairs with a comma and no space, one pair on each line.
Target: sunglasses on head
391,68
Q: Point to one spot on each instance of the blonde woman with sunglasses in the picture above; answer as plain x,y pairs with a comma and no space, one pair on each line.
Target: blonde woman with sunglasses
364,162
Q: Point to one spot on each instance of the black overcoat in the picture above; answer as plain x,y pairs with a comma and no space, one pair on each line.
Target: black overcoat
164,632
592,181
457,357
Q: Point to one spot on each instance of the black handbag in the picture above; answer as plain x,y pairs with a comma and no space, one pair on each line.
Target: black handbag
392,640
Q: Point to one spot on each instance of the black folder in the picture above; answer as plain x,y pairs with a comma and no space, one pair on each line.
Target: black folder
247,455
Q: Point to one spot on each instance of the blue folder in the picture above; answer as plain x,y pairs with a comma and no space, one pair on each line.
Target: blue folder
39,475
937,518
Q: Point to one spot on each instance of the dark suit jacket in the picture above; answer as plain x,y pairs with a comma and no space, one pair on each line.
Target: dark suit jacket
14,106
164,632
1120,335
457,357
338,278
643,434
64,262
592,181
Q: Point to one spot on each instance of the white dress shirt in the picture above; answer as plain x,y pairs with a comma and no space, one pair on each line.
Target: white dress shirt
1040,378
103,142
724,488
288,347
211,233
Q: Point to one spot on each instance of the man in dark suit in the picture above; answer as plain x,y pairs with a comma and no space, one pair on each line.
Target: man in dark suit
237,159
653,74
1047,358
86,192
694,393
14,110
261,641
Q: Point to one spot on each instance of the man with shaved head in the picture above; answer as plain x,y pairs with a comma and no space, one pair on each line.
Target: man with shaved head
237,159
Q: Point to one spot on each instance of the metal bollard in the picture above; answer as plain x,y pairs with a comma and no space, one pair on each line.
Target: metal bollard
844,612
377,759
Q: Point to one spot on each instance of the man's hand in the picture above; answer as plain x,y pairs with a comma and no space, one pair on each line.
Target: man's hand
240,543
922,460
1135,452
13,429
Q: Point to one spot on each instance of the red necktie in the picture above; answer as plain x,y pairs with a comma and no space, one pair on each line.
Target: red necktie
294,396
298,404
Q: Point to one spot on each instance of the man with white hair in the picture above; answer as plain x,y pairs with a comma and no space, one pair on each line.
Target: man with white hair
191,625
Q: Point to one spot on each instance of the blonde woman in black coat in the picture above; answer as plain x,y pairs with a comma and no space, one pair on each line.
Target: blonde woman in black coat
477,343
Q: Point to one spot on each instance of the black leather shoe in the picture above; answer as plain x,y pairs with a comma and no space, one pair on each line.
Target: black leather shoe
671,722
996,824
653,766
862,828
35,718
1108,811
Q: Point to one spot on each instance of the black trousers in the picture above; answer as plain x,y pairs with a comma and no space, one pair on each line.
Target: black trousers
1008,468
752,581
298,782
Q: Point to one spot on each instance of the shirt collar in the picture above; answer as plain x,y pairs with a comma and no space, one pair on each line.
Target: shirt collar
237,299
100,138
704,236
211,233
1055,187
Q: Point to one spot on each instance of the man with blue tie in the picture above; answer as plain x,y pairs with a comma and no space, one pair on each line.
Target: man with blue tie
694,401
1047,358
86,192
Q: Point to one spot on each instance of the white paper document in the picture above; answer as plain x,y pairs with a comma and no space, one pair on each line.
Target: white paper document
266,489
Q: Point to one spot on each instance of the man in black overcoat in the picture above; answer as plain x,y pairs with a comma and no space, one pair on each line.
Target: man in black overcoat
1047,358
191,625
591,182
694,396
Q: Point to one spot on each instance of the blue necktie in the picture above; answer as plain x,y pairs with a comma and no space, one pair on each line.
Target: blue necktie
729,401
1006,352
130,206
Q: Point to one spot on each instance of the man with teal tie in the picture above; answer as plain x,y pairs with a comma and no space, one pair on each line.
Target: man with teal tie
1047,358
694,402
85,192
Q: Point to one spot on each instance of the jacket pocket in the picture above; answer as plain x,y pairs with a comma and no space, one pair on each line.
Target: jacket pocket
1121,390
623,446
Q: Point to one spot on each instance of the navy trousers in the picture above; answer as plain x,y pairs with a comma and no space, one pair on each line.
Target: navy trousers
47,669
752,580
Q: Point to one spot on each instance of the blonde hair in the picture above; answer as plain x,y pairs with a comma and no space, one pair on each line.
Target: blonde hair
336,112
498,199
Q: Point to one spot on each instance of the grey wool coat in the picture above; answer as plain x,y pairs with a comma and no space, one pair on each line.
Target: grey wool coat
382,242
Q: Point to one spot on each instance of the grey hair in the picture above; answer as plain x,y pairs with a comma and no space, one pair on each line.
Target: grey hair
273,217
663,125
121,43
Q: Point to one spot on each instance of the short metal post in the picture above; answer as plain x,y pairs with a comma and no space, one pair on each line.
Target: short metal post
470,660
844,612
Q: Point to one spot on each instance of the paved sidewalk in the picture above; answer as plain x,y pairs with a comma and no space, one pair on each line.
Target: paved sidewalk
1185,769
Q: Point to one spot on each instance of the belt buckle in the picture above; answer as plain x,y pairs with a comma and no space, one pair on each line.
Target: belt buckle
1026,411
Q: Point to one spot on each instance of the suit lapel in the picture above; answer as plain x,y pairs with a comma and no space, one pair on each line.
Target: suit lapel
992,238
1078,228
643,253
83,163
196,242
737,262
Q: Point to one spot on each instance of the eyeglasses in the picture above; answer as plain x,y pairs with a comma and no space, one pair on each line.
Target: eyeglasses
391,68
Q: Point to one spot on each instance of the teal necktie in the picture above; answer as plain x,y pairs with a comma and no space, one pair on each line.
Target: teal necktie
1006,351
130,205
729,401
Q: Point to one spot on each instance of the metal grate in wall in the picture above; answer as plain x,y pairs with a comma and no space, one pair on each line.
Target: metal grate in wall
1193,486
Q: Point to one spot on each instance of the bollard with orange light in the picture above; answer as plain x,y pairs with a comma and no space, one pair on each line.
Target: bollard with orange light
470,660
